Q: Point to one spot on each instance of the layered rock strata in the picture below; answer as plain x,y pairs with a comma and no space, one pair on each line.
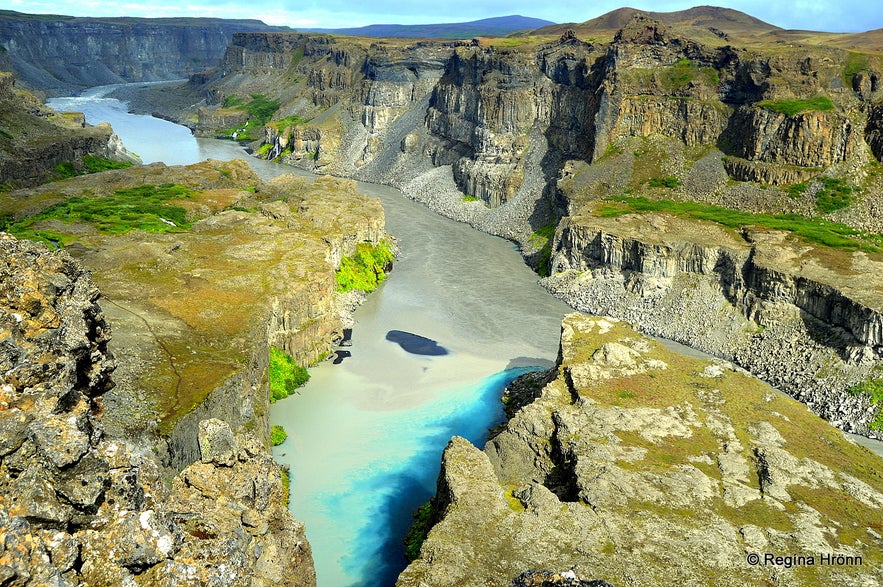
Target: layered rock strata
482,112
195,311
772,304
60,54
35,139
77,507
631,464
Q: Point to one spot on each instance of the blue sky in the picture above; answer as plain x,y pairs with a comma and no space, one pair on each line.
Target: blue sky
827,15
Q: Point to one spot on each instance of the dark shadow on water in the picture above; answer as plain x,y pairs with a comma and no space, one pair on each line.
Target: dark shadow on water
382,554
416,344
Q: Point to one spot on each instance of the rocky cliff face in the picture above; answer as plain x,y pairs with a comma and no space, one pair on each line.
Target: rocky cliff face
59,54
35,139
79,508
499,124
540,133
631,464
754,301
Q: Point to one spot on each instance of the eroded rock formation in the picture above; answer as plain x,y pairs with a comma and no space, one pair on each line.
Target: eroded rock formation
629,463
79,508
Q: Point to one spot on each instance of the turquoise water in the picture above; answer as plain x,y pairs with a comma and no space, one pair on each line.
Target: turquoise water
358,499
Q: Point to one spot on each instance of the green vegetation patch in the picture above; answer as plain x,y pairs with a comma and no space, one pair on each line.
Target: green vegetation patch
796,190
366,269
685,71
260,110
814,230
91,164
675,77
855,63
277,435
542,239
792,107
669,182
873,388
834,195
423,522
468,198
285,375
288,121
140,208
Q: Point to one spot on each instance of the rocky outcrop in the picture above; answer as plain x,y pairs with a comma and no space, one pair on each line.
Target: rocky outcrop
874,132
631,464
36,139
810,141
500,124
189,315
59,54
752,300
79,508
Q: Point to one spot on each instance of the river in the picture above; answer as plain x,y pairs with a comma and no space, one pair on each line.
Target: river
366,435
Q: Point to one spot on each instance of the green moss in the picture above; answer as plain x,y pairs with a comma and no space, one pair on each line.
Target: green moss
98,164
366,268
285,375
140,208
796,190
873,388
855,63
542,239
277,435
815,230
834,195
423,522
468,198
260,109
792,107
288,121
663,182
233,101
91,164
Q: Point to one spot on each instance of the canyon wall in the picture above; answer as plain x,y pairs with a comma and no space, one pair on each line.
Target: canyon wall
499,124
78,507
631,464
766,303
162,473
519,140
60,54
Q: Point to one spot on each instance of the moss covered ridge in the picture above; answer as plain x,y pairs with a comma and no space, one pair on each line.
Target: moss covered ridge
196,264
635,463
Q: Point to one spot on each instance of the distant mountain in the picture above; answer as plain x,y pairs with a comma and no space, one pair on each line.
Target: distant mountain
487,27
709,17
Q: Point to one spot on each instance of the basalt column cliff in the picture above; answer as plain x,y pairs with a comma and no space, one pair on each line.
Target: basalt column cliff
768,149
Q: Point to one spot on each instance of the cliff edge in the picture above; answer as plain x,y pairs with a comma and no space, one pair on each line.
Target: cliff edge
79,508
631,464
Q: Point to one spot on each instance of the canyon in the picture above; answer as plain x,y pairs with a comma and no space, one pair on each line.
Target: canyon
526,141
616,157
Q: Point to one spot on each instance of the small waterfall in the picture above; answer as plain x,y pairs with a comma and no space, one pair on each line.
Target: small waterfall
275,151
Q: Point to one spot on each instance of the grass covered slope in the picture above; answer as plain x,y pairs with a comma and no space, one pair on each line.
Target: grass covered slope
637,465
202,268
